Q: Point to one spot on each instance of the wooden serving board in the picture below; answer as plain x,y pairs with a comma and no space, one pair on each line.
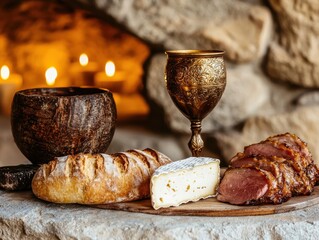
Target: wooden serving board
211,207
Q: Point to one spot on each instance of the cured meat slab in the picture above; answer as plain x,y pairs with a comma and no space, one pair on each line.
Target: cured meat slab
212,207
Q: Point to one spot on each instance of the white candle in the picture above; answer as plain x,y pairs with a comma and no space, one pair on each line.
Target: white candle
111,78
9,84
83,71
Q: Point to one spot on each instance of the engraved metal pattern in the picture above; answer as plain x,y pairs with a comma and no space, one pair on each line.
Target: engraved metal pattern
195,83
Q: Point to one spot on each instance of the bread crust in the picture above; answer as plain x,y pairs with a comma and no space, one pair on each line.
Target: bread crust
98,178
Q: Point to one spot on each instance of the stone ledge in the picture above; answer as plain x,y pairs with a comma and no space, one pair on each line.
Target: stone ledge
22,216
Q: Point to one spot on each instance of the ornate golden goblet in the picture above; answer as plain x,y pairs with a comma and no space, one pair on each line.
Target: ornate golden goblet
195,80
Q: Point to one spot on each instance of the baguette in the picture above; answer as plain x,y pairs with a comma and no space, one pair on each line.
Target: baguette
98,178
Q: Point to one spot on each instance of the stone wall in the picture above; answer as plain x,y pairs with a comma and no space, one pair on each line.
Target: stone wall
35,35
272,62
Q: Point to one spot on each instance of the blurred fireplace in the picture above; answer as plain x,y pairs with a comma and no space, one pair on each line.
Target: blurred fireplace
41,43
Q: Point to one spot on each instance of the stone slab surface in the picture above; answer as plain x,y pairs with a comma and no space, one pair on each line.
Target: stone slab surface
22,216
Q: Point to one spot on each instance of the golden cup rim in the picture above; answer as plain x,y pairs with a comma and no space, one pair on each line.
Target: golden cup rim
195,53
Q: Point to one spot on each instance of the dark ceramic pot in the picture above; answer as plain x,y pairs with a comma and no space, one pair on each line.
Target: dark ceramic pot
53,122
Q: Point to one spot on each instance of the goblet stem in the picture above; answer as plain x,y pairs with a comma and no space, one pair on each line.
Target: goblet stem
196,142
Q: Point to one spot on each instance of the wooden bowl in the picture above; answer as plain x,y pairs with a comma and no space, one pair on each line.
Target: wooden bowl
53,122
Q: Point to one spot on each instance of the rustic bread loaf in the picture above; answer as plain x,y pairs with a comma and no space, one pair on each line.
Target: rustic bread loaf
98,178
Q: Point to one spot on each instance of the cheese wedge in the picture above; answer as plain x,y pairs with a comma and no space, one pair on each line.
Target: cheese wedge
183,181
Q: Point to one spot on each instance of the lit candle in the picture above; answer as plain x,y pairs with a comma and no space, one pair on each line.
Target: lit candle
110,69
84,60
82,72
4,72
9,84
111,78
50,75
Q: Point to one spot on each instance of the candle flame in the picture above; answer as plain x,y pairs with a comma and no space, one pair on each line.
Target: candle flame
110,69
4,72
50,75
84,60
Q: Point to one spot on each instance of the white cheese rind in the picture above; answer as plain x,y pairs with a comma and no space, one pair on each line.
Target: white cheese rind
183,181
